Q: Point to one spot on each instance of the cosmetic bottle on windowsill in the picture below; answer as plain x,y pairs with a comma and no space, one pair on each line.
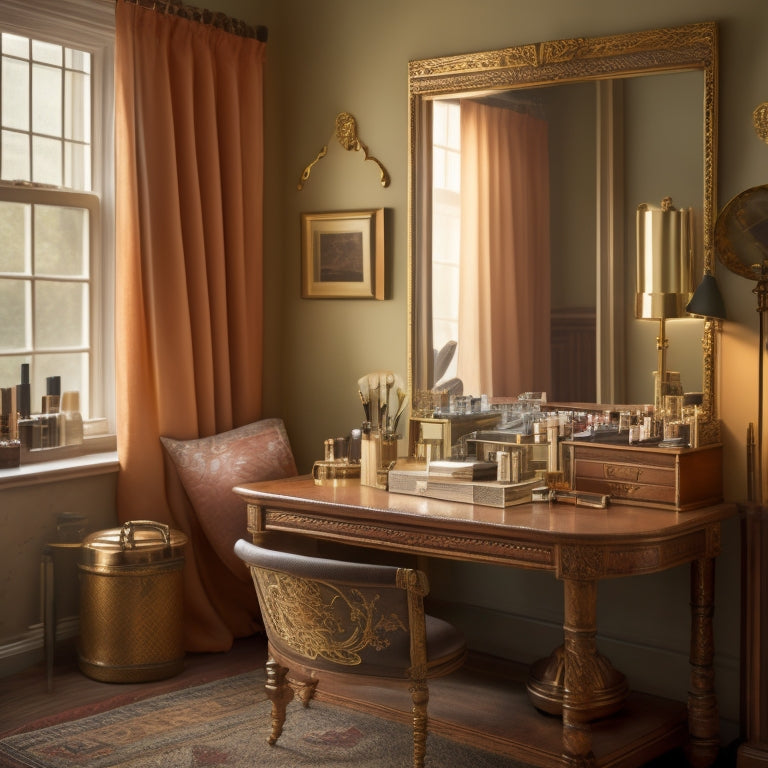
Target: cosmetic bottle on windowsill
71,423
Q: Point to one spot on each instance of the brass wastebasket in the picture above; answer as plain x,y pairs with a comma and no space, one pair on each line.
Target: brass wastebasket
131,603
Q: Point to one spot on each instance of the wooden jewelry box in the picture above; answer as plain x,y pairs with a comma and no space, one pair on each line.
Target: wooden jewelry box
671,478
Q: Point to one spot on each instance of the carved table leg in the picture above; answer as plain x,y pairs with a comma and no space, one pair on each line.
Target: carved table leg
703,725
580,650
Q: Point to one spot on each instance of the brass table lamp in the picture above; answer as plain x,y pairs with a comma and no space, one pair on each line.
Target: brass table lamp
664,269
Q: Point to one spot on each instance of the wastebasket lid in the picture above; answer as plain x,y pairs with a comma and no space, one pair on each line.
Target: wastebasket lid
134,542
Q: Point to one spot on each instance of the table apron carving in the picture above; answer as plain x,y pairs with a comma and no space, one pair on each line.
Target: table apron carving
510,553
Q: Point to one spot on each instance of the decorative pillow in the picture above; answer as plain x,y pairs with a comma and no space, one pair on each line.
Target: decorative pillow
209,467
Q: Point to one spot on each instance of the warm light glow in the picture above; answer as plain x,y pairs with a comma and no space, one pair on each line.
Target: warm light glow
664,256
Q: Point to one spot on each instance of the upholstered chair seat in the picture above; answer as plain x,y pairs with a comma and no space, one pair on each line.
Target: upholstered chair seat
366,623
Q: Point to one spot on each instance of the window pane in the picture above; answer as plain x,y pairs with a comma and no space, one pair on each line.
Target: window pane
77,106
15,156
453,171
15,90
79,60
77,166
46,100
453,128
438,167
10,370
46,161
439,124
48,53
15,45
14,303
14,235
61,241
60,314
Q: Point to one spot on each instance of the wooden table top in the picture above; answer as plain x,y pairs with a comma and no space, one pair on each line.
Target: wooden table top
642,539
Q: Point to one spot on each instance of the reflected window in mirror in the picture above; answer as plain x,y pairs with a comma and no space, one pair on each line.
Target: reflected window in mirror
446,226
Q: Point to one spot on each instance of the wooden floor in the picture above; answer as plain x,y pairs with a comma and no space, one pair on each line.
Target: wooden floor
25,699
26,703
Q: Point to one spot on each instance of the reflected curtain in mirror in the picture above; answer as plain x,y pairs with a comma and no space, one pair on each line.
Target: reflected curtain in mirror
504,298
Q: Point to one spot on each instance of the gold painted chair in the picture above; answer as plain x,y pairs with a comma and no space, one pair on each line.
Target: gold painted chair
327,618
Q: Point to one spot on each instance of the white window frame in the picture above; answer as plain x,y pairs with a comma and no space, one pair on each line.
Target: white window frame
88,25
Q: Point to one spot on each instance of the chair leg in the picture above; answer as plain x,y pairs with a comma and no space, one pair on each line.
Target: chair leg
420,698
304,690
279,693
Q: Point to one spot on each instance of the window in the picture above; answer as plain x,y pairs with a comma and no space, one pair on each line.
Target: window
446,225
57,200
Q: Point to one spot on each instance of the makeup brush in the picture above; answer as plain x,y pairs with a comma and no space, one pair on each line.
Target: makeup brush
374,395
402,399
389,383
365,397
366,405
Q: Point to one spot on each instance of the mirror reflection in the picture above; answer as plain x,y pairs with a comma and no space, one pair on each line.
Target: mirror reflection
524,201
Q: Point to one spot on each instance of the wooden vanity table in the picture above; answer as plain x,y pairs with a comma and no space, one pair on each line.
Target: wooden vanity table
579,546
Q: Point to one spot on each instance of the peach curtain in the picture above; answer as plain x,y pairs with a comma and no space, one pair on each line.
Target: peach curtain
189,174
504,305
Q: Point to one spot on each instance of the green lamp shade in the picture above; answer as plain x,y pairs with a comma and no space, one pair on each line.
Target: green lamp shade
707,301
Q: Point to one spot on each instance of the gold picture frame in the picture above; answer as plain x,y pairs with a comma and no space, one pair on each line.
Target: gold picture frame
342,255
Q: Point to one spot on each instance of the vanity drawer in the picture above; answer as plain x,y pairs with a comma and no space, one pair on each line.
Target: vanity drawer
619,472
674,478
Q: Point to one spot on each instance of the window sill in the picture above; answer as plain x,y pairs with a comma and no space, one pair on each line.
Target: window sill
96,456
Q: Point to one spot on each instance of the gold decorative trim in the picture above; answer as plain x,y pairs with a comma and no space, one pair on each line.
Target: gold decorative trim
319,620
562,60
346,133
401,541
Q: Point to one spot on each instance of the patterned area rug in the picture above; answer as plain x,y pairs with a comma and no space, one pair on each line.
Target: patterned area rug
224,724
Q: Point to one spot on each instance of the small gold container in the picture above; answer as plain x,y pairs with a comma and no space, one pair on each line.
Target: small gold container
335,473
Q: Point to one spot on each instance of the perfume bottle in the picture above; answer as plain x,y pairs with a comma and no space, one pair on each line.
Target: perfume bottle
71,423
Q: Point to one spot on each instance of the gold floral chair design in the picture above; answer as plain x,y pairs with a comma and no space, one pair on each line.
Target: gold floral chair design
326,618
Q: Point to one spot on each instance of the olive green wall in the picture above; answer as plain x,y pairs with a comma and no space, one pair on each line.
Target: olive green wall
345,55
342,55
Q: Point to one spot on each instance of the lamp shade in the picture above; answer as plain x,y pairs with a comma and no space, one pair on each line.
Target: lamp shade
664,256
707,300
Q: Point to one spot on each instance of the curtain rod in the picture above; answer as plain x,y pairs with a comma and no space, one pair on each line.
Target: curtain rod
204,16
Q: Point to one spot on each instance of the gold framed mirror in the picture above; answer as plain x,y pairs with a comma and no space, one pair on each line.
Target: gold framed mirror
612,82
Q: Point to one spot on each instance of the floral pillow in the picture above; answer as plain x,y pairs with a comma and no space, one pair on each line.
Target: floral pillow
209,467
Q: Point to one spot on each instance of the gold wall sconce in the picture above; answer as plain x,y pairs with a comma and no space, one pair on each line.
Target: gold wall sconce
346,133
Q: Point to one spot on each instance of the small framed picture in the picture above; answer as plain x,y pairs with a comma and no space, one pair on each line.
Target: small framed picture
342,255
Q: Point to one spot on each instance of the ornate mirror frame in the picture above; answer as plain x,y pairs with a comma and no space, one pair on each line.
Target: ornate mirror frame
685,48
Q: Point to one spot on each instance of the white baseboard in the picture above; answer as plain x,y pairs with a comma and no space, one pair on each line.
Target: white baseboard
27,649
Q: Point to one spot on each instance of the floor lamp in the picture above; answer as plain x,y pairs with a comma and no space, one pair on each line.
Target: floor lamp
741,241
